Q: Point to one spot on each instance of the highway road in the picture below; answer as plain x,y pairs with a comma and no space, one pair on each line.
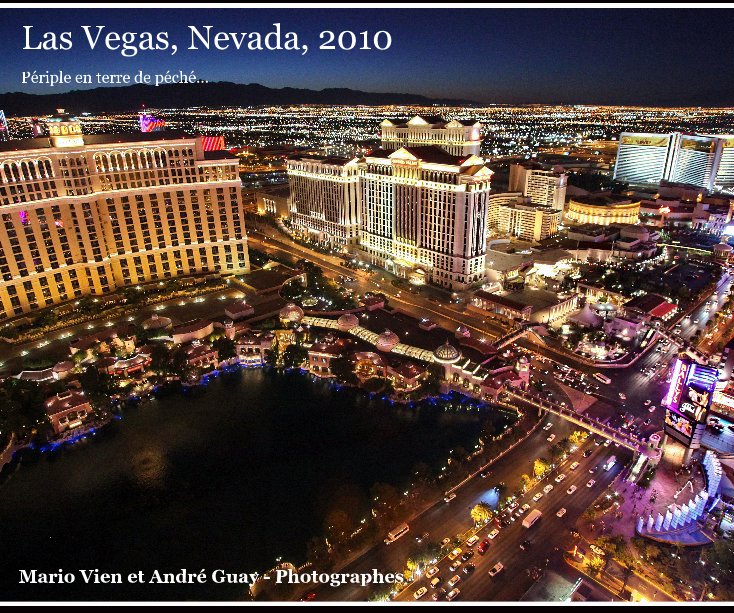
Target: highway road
448,316
449,519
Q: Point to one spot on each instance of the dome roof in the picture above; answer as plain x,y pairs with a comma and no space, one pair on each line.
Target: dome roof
387,341
723,247
446,354
291,313
156,322
347,322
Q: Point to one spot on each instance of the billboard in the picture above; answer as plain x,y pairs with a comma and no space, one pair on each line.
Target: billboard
688,399
4,131
679,424
149,123
651,140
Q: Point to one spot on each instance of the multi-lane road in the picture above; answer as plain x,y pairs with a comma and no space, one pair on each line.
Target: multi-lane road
446,520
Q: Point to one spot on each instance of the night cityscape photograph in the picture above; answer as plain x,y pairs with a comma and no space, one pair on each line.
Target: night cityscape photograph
392,303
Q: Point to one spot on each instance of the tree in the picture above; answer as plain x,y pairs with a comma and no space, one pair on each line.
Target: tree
225,347
272,356
525,482
343,370
317,552
577,438
160,358
481,513
294,356
540,467
594,566
385,499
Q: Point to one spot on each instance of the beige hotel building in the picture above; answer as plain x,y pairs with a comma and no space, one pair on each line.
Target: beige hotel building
86,215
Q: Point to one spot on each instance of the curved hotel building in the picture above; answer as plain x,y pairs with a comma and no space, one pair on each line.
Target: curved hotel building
88,214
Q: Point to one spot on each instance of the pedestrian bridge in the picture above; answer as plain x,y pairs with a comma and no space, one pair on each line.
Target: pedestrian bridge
624,439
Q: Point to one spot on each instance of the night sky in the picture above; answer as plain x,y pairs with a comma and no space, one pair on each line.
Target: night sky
593,56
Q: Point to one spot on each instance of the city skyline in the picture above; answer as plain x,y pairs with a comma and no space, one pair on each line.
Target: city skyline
516,55
299,342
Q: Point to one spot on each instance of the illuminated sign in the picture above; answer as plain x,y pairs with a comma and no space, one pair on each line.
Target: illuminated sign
677,382
679,423
645,141
4,132
706,146
691,389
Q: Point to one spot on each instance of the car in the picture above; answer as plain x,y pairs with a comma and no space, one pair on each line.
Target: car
525,545
521,511
547,488
484,474
439,594
453,594
454,580
455,564
587,453
418,594
472,541
561,512
506,521
493,534
647,403
571,489
593,469
468,569
548,426
560,477
575,465
483,547
445,541
455,553
496,569
450,497
467,556
431,571
652,409
590,483
537,496
512,507
607,443
598,441
551,438
525,508
647,422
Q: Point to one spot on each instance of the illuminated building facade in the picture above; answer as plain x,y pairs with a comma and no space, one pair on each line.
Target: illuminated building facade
88,215
528,222
324,200
602,210
643,158
543,187
461,137
702,160
687,402
425,211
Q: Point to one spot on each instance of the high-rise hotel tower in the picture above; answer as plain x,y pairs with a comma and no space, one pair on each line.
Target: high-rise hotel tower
703,160
418,205
83,214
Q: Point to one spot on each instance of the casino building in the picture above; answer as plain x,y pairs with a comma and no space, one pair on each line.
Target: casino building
89,214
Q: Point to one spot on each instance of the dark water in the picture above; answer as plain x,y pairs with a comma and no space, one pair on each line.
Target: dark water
230,479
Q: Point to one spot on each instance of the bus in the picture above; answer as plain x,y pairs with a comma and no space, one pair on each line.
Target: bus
610,463
603,378
531,518
396,533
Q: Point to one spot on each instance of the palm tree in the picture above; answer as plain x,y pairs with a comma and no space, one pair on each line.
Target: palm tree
481,513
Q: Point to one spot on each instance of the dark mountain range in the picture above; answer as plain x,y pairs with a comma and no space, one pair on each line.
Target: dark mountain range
219,94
